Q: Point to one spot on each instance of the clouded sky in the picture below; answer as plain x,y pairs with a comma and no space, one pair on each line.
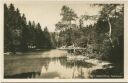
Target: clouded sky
48,13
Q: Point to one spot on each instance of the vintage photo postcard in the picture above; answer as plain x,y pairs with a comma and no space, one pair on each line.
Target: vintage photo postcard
63,40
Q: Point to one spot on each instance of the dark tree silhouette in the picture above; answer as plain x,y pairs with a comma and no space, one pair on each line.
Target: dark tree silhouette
20,35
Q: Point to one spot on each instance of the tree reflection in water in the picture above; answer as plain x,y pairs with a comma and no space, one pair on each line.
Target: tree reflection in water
61,68
56,66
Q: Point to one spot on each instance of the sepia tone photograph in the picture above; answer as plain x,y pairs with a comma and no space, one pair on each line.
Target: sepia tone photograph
63,40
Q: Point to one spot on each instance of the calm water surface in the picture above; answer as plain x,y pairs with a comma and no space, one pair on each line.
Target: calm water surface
49,64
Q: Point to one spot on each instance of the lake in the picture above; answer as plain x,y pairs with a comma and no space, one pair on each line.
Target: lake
50,64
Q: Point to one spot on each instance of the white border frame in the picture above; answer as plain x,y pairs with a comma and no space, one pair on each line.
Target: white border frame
125,2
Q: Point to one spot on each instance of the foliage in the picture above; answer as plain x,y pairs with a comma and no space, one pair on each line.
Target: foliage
105,36
20,35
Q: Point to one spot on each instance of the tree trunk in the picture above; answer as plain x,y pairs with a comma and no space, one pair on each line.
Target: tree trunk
110,32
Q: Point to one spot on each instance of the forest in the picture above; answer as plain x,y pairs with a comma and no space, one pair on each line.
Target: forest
20,35
103,39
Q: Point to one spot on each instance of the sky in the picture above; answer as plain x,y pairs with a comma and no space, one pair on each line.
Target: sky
47,13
